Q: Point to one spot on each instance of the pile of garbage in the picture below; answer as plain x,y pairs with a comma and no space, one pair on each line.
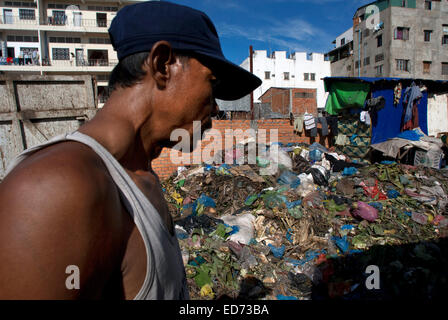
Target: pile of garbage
306,223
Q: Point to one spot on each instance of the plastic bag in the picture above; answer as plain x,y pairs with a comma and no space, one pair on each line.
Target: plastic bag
273,199
246,224
277,251
289,178
392,194
315,155
349,171
306,185
320,175
373,191
318,146
366,212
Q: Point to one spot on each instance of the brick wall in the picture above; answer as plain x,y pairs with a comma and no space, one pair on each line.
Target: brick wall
303,100
164,167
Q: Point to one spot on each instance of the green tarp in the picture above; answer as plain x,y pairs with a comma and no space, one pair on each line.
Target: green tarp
346,95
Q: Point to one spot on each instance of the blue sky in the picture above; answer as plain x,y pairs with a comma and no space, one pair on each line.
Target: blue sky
291,25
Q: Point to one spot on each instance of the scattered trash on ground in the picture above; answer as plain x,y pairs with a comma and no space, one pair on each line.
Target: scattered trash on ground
306,231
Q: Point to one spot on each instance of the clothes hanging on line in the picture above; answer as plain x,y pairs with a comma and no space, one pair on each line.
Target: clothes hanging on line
397,93
365,117
412,96
309,121
332,122
298,124
324,124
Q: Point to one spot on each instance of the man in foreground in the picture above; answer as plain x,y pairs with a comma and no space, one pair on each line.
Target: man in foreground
84,215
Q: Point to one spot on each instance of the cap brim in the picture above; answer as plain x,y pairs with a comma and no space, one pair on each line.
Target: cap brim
234,81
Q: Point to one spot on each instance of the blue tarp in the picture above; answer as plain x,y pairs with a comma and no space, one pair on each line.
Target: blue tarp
388,121
387,124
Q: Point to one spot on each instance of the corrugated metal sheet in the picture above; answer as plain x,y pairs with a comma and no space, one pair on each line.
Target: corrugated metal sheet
437,114
242,104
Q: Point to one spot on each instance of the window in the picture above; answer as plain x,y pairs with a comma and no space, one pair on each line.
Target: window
13,38
379,41
357,63
27,14
304,95
367,61
403,3
286,75
379,70
445,28
444,68
379,57
64,40
306,76
57,6
426,66
342,41
445,39
366,33
402,65
349,68
401,33
20,4
107,41
313,76
99,8
309,56
101,19
428,5
61,54
427,35
267,75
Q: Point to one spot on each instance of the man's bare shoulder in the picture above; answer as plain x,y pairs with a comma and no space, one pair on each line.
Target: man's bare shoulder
58,207
69,165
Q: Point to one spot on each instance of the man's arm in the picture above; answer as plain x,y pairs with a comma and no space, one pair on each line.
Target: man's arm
58,209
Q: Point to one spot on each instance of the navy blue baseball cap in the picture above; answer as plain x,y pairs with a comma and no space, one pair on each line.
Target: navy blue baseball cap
137,27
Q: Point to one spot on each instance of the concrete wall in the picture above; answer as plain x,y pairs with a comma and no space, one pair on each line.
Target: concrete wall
343,68
347,35
416,50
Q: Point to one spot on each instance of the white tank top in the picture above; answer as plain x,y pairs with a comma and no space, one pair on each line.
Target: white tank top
165,273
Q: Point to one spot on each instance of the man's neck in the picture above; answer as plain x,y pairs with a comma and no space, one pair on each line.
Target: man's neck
116,130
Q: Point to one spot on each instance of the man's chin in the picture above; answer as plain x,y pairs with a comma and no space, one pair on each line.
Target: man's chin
172,144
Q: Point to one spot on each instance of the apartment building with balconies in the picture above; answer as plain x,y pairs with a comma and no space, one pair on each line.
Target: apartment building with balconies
401,38
59,37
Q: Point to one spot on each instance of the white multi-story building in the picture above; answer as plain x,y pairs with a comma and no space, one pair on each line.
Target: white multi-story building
299,70
59,37
344,38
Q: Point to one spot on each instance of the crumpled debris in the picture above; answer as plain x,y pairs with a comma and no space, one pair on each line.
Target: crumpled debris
293,234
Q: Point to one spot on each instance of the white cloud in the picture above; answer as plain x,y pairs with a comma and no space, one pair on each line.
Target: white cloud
294,34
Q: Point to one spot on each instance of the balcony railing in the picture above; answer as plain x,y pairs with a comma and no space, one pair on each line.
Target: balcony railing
81,63
76,22
56,21
59,63
19,61
17,20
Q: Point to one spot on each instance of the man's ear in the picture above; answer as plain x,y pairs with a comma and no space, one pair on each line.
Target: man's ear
159,60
